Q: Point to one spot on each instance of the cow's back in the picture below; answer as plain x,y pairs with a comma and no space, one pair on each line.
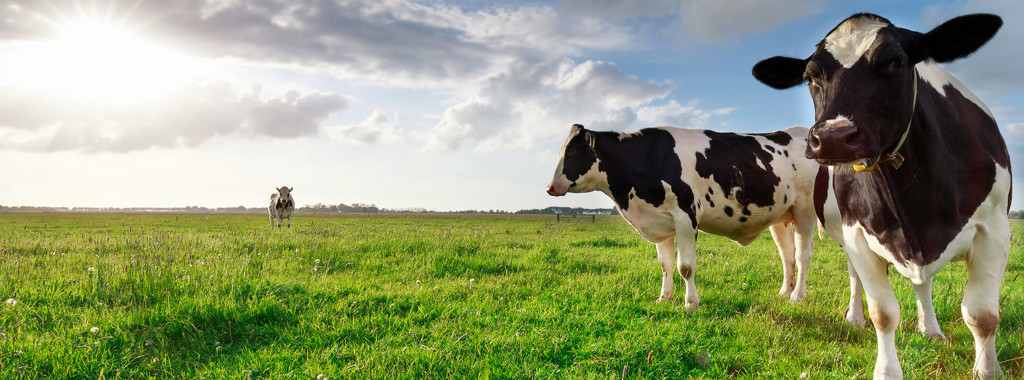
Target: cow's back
744,183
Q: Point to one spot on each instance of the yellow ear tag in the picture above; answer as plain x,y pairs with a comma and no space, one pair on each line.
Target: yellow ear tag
591,140
861,168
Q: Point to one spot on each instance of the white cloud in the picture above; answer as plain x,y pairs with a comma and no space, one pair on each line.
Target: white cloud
378,128
676,115
395,42
530,103
514,109
183,117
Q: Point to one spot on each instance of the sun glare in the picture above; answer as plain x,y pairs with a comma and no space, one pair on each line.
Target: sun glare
101,62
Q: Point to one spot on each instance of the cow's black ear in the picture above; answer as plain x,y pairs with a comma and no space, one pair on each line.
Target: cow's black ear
291,189
780,72
961,36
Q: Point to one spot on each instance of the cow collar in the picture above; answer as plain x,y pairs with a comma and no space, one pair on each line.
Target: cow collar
894,158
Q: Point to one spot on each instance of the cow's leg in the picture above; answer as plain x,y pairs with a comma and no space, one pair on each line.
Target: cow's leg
980,306
667,260
855,311
883,307
686,261
271,221
784,241
927,324
804,240
289,222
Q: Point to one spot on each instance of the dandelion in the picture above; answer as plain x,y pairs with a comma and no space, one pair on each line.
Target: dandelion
321,376
472,280
92,269
12,301
94,330
317,261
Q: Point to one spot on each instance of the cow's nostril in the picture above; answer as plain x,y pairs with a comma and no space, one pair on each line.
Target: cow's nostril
847,136
813,141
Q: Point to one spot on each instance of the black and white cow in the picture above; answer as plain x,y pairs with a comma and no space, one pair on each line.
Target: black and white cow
670,183
281,206
921,174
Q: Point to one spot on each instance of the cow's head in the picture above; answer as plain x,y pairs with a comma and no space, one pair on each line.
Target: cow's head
863,81
284,194
577,170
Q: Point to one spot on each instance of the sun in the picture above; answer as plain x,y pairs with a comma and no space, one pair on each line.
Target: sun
97,60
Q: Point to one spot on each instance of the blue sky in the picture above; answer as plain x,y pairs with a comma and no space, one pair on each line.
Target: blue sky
441,105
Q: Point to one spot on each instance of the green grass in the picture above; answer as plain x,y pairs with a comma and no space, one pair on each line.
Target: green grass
221,296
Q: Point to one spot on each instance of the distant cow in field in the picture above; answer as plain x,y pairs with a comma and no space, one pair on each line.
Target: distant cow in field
920,175
281,206
671,182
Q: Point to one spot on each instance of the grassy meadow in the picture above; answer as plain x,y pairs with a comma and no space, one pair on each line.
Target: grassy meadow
221,296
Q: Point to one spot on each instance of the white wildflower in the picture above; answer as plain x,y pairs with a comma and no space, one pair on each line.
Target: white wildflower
12,301
92,269
94,330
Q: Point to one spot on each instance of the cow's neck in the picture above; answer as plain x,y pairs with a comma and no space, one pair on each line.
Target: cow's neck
602,146
949,169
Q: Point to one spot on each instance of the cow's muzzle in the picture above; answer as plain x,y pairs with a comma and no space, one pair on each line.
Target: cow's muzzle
836,143
556,190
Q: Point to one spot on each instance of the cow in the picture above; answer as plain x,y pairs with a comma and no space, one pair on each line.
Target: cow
281,206
919,173
668,183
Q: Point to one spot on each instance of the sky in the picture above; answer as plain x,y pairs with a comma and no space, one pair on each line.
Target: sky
450,105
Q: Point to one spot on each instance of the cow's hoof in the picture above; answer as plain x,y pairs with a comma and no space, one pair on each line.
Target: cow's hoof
785,291
664,298
987,375
888,375
856,320
934,335
691,306
797,296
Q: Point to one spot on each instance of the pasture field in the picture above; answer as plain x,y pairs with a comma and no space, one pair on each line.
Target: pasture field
221,296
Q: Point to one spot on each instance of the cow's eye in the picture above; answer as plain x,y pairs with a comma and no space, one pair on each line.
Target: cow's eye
812,81
897,65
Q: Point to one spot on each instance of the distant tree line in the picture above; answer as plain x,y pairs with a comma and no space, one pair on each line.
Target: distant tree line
1019,214
570,211
360,208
